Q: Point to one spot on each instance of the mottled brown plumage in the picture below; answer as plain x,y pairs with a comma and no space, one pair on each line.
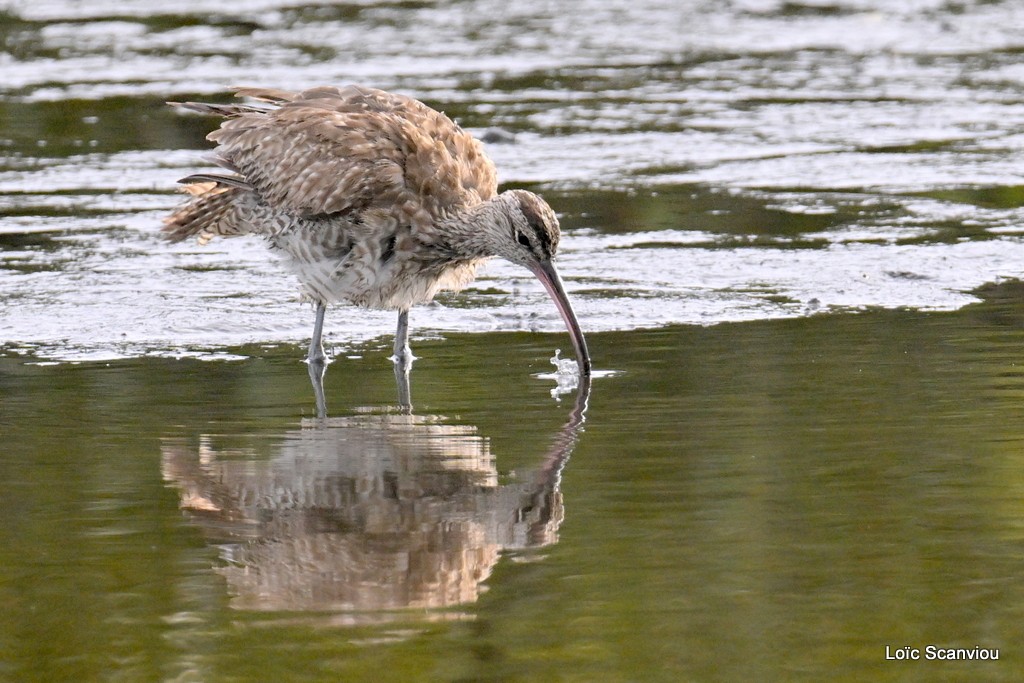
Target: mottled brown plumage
371,197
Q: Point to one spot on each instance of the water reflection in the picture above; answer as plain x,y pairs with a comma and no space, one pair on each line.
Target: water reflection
367,514
317,372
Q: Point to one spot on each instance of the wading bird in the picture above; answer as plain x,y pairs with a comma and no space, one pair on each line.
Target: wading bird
371,197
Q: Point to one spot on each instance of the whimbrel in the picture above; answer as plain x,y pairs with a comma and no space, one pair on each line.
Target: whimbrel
371,197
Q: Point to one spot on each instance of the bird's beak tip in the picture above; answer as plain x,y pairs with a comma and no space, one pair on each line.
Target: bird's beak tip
546,273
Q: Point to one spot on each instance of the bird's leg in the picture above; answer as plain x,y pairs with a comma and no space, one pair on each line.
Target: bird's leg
402,352
403,359
316,345
316,376
404,392
316,360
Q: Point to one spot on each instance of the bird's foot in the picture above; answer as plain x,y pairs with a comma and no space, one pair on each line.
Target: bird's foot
317,370
317,355
403,359
403,356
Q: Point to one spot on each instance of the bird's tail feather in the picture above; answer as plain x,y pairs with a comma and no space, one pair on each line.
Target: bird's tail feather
225,110
271,98
212,212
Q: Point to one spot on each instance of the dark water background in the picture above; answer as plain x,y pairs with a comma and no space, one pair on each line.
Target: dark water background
792,232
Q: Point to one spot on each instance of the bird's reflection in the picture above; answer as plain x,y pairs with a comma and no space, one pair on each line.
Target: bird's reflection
369,513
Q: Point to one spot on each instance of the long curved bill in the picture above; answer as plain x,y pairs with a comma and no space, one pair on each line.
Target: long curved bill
546,273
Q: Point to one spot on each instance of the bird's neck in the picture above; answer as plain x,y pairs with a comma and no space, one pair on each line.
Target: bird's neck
469,234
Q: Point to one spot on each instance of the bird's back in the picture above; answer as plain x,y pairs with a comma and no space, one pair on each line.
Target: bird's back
329,150
351,184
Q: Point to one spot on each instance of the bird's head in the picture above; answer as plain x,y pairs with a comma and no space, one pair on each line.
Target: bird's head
533,233
529,238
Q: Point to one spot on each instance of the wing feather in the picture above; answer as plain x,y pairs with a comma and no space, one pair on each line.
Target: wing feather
329,150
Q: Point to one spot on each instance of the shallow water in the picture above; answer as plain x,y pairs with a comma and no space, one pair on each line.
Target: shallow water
778,500
792,232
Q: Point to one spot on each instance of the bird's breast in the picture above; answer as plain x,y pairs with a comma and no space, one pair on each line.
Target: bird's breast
372,268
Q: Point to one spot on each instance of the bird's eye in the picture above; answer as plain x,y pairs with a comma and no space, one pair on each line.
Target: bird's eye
522,239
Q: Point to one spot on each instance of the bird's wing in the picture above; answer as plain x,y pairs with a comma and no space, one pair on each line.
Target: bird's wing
330,150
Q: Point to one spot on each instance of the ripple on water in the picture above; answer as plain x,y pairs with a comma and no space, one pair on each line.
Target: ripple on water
744,160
